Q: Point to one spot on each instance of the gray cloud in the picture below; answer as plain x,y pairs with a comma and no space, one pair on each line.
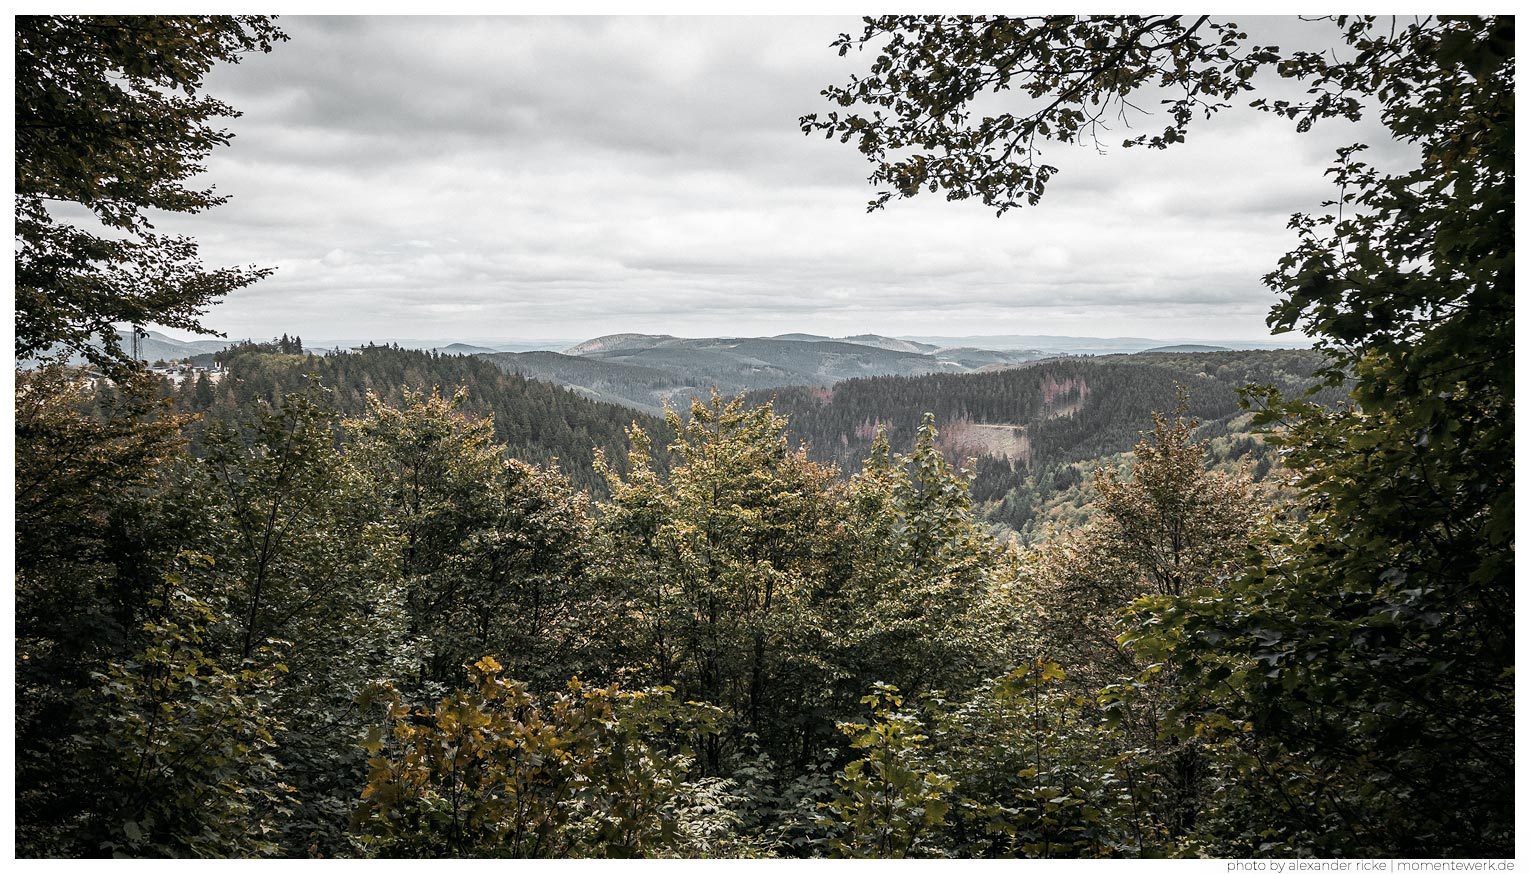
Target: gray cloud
565,177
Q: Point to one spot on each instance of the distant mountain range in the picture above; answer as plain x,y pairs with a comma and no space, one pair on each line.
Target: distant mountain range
1184,348
452,345
630,342
155,346
158,347
467,349
1055,344
1065,345
644,371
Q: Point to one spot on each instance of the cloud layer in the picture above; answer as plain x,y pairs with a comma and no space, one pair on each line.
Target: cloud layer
567,177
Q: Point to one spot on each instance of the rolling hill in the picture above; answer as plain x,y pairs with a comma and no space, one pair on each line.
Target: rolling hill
1185,347
631,385
154,346
644,371
1054,344
1036,433
540,422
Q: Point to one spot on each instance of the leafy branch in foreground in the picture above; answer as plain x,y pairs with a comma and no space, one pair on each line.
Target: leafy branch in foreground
110,119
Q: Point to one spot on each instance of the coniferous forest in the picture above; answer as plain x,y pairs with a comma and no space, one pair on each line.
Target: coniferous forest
389,603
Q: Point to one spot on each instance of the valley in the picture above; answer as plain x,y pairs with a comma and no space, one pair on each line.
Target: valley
1032,431
646,371
1031,424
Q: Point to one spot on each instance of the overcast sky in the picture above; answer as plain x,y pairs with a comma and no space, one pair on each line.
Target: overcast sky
475,179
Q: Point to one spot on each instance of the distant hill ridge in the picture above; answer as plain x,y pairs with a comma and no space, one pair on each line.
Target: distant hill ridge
892,343
647,371
630,341
154,346
466,349
1184,348
617,343
1068,345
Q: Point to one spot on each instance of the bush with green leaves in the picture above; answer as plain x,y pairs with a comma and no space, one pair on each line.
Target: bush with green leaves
491,770
1042,772
178,750
888,806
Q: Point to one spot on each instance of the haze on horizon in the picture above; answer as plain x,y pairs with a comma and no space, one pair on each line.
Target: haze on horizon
500,178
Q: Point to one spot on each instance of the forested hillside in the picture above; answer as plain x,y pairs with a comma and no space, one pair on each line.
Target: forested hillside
1036,433
642,388
538,422
646,372
1040,431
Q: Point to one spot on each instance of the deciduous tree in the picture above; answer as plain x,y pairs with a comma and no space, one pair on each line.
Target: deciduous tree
719,563
1371,645
111,119
492,770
